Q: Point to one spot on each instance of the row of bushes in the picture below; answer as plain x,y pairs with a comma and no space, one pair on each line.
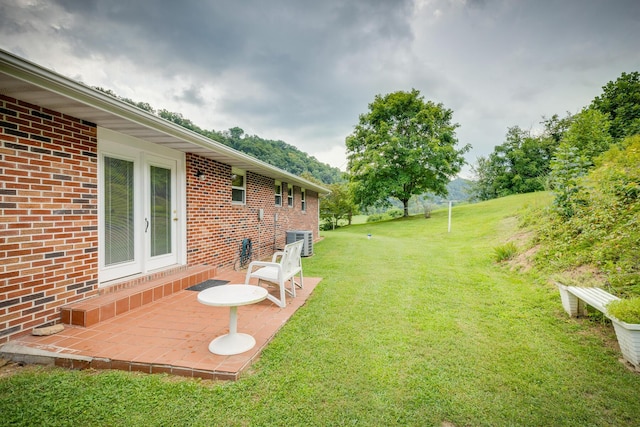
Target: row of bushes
390,214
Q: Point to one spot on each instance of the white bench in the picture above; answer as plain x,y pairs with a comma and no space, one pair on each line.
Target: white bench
574,299
284,266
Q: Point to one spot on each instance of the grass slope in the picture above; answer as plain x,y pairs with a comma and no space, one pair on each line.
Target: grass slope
415,326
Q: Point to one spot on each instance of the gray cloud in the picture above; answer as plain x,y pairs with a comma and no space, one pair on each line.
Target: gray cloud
303,71
192,95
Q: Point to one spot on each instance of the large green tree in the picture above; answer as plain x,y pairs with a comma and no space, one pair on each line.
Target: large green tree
621,101
589,134
338,204
586,138
402,146
519,165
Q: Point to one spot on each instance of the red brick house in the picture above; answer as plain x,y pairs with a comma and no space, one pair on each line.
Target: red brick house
97,195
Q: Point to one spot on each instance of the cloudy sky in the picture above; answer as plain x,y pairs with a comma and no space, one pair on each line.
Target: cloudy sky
303,70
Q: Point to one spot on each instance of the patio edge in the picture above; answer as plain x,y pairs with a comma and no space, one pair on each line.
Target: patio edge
34,356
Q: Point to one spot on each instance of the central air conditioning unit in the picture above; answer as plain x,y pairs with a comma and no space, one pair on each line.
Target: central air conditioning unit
306,236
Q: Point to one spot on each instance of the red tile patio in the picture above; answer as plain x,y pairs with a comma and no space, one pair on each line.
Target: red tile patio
170,335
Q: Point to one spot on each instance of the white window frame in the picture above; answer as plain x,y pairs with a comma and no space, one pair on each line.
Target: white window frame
235,173
278,193
290,196
303,200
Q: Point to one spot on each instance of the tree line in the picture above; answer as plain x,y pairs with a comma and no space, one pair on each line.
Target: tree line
567,146
404,147
274,152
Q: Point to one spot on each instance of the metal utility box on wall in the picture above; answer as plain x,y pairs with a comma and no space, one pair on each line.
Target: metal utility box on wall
306,236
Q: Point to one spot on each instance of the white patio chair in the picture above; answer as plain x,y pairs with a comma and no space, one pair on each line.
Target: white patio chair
284,266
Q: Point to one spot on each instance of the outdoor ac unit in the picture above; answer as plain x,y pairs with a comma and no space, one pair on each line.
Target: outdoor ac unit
306,236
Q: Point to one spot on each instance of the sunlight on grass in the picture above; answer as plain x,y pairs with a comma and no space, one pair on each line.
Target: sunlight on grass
413,326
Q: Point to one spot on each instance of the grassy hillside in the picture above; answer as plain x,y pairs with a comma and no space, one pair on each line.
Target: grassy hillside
591,232
414,326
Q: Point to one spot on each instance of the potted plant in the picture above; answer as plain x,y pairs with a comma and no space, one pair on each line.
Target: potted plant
625,316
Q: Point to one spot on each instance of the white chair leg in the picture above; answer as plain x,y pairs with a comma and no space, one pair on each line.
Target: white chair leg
283,294
275,300
293,287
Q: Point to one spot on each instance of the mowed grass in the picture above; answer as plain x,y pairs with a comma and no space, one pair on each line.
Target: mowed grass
415,326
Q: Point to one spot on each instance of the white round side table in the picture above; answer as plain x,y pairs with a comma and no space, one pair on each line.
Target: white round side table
232,296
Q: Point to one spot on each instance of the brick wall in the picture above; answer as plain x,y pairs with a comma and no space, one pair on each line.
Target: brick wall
49,222
216,227
48,214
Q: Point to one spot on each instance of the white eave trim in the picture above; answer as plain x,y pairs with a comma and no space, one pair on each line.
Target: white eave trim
53,82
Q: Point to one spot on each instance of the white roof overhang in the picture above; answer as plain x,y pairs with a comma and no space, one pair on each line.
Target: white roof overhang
26,81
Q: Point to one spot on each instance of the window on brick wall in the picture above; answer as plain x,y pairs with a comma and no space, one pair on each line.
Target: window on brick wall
303,200
290,196
238,187
278,191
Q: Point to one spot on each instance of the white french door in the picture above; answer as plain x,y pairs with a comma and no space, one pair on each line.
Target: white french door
139,211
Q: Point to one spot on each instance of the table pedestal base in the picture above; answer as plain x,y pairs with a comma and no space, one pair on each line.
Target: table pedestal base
232,296
229,344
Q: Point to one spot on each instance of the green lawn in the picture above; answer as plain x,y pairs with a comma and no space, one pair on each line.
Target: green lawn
415,326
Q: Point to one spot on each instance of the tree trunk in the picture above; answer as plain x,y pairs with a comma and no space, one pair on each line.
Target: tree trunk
406,207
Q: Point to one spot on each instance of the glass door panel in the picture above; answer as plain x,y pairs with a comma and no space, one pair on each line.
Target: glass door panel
160,211
118,212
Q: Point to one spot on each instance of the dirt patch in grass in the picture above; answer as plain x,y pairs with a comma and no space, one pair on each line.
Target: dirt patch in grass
524,260
8,368
585,275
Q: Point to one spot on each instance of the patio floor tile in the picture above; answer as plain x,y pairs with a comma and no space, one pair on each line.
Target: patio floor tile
170,335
